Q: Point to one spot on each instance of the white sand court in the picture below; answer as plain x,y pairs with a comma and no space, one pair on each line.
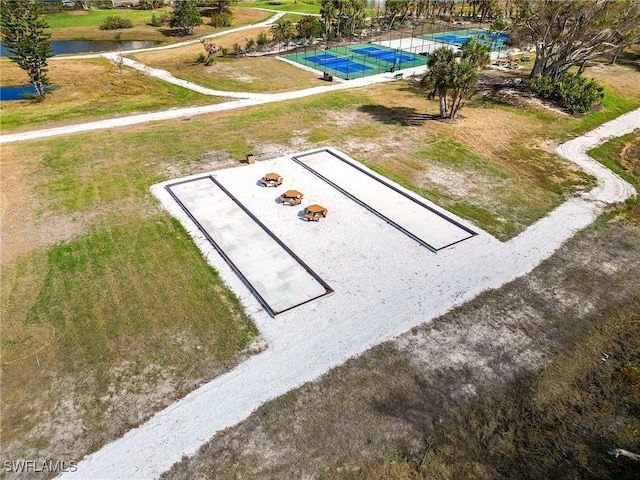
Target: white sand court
421,220
273,273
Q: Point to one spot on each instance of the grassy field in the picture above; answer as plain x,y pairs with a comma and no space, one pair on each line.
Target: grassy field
537,380
502,178
246,74
618,155
303,6
84,25
109,311
101,91
93,18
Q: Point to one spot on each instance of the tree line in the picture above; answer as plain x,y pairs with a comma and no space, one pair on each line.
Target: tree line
564,34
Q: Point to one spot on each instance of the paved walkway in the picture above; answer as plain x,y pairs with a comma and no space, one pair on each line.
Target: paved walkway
246,101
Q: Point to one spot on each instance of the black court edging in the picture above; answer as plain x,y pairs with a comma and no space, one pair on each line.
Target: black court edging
233,266
374,211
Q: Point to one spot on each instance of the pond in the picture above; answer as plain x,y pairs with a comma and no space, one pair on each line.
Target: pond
16,93
87,46
19,92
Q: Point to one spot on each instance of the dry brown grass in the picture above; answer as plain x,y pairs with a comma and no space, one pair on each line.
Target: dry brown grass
250,74
623,81
100,91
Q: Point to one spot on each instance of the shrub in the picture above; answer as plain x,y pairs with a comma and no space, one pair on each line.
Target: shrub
150,4
250,45
262,40
159,20
238,49
115,23
221,19
571,91
201,58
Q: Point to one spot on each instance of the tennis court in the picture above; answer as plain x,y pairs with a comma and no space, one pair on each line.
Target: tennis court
355,61
458,37
338,64
389,56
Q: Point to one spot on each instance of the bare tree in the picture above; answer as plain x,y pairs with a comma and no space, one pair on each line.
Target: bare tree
209,47
118,61
570,32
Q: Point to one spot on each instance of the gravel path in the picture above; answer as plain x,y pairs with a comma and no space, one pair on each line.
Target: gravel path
385,284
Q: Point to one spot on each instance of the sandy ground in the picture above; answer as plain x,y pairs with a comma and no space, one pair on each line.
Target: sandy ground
375,271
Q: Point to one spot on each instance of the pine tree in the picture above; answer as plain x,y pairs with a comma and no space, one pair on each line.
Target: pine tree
23,36
185,16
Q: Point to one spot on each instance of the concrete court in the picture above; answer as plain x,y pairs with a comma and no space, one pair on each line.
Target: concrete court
271,271
435,227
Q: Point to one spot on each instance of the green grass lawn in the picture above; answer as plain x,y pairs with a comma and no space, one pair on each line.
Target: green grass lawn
122,308
306,7
609,155
93,18
84,25
127,307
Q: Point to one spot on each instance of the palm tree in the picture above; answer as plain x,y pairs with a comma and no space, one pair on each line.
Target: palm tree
440,76
463,81
283,30
329,13
475,53
451,80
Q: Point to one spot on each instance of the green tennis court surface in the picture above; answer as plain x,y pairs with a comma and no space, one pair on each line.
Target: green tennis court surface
356,61
458,37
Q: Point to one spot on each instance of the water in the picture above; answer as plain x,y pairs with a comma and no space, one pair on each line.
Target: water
19,92
86,46
16,93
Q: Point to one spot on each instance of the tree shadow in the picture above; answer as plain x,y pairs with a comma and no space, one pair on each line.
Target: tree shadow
172,32
629,59
405,116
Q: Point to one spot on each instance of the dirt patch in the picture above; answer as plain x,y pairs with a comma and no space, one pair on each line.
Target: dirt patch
460,184
621,79
521,98
630,158
26,223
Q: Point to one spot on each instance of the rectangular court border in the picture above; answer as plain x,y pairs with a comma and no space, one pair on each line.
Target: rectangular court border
220,250
374,211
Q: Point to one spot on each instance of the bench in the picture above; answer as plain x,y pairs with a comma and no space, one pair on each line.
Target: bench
328,77
398,76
